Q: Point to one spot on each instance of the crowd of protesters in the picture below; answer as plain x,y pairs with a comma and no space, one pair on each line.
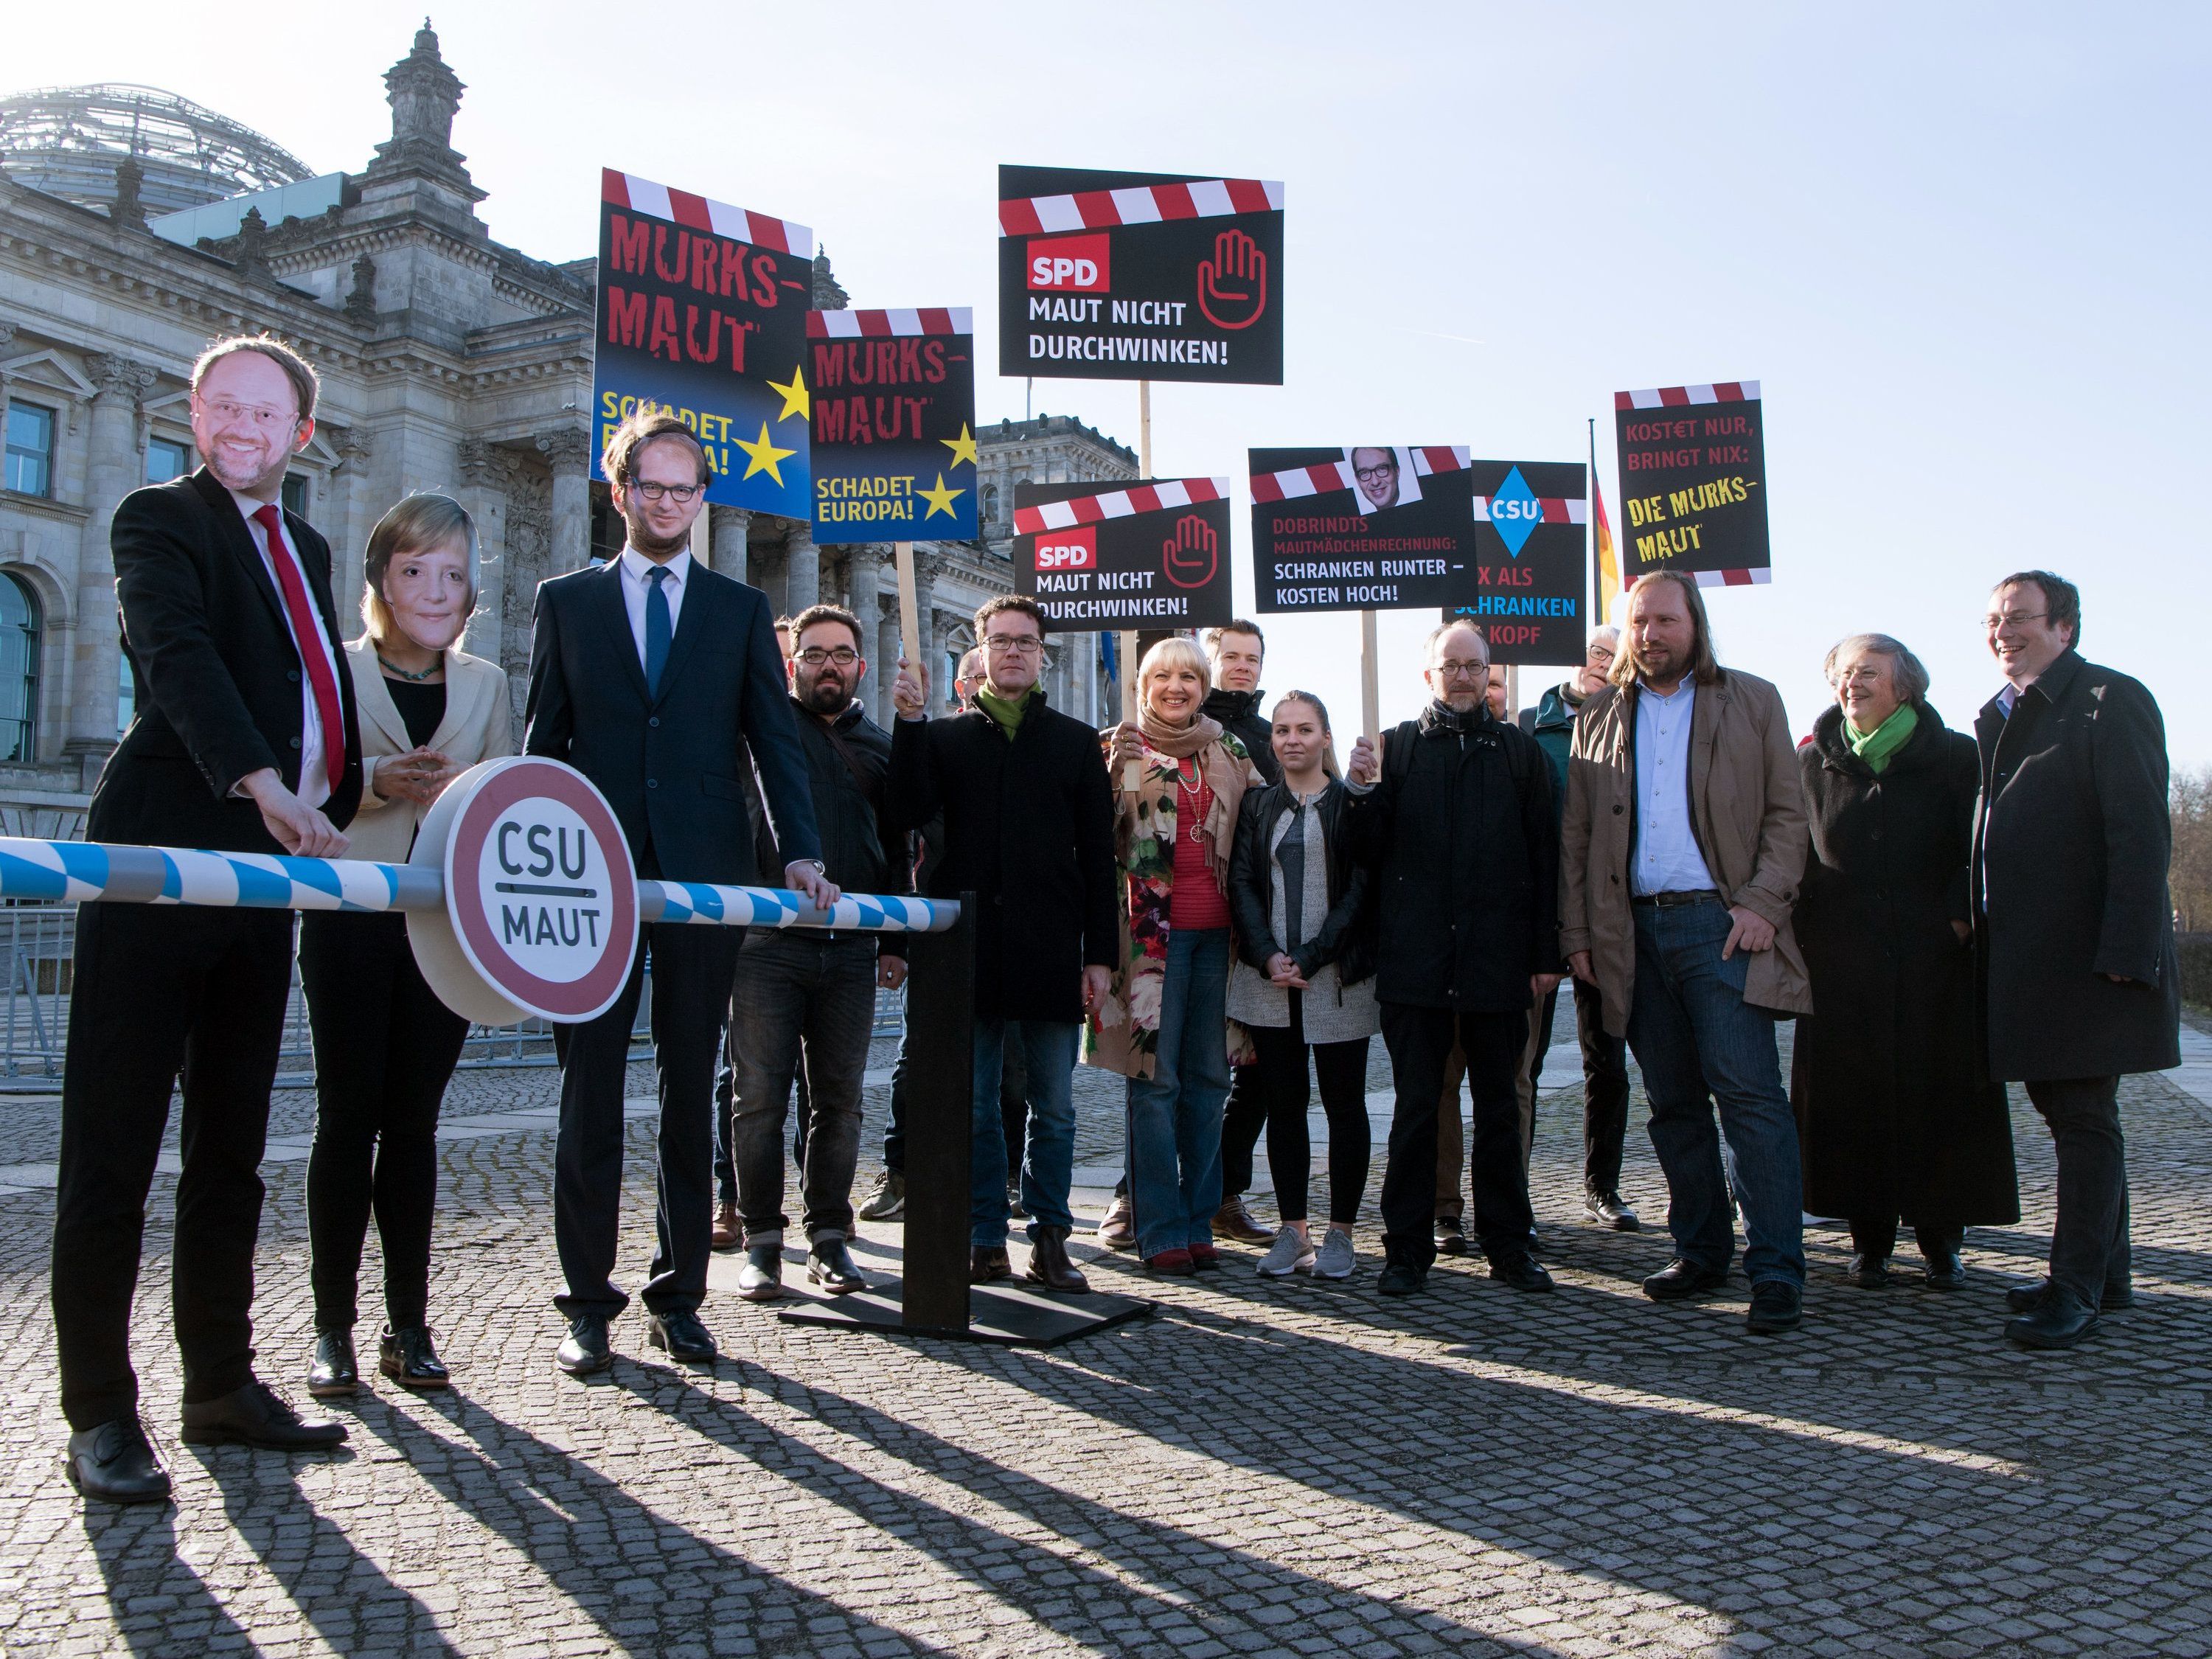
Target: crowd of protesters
1200,900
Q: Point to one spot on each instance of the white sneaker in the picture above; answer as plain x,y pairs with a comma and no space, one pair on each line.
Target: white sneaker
1289,1254
1335,1260
888,1202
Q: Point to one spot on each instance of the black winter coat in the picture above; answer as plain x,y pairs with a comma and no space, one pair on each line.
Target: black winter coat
1347,933
1893,1118
861,852
2071,849
1029,828
1462,838
1239,714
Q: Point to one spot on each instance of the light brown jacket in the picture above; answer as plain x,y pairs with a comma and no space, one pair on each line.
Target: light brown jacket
1746,810
478,725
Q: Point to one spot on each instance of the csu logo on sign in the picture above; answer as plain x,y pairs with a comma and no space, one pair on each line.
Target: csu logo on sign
1514,512
1068,550
1072,265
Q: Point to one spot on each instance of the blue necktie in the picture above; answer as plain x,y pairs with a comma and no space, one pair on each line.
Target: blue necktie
657,630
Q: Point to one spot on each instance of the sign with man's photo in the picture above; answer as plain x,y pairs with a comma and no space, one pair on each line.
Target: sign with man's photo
1362,527
1149,555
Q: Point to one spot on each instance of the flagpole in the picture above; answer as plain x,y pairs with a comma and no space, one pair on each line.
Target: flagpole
1589,527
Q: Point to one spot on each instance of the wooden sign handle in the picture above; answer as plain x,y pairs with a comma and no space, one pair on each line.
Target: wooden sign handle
1369,691
910,624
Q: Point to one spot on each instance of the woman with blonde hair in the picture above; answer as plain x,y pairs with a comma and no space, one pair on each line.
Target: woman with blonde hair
384,1046
1165,1026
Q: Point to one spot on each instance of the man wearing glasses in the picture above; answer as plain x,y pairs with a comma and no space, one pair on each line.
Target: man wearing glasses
1029,829
1381,484
2078,982
808,997
651,676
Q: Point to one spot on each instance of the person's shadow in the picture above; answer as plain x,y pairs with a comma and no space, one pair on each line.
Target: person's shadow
159,1604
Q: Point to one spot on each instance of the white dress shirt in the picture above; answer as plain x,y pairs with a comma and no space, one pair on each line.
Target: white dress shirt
637,582
315,768
1665,858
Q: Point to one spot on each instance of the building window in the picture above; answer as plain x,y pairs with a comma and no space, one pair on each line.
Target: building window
167,459
990,504
19,670
294,494
126,697
30,449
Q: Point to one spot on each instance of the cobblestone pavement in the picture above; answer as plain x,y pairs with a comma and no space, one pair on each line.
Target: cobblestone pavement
1293,1468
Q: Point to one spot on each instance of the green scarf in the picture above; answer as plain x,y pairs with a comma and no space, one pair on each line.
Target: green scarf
1008,715
1877,747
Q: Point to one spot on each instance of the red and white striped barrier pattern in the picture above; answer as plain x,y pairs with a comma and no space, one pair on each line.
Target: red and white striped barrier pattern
1429,460
888,324
1119,504
1557,509
627,190
1734,578
1673,397
1141,204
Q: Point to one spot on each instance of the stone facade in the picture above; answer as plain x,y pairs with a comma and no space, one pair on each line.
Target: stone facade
449,362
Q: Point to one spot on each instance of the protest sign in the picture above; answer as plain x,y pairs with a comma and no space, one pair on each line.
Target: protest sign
1362,527
1529,520
1153,554
1139,276
702,311
1693,481
894,426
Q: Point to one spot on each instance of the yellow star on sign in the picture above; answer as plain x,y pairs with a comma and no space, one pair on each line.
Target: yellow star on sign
795,400
962,447
940,499
764,455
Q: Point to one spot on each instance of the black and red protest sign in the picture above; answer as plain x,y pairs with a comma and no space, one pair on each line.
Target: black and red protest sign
1150,555
1530,573
1693,482
1362,527
894,425
1139,276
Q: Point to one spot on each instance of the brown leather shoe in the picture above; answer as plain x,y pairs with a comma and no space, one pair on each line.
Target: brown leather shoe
987,1263
1232,1220
725,1236
1118,1232
1049,1266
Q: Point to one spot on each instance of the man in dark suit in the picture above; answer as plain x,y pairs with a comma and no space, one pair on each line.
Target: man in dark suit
651,675
2077,978
245,740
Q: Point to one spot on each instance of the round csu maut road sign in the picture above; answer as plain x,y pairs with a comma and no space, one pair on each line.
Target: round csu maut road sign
541,900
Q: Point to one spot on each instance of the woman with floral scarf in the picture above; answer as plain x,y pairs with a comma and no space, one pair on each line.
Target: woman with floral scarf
1165,1026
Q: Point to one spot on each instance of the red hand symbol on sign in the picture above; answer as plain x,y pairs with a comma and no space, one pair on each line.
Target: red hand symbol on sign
1232,286
1192,555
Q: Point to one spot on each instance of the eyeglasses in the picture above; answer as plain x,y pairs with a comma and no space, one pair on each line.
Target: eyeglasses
843,655
224,412
680,494
1463,671
1021,645
1376,474
2012,619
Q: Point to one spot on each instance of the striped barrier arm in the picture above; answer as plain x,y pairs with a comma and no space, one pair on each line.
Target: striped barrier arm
777,906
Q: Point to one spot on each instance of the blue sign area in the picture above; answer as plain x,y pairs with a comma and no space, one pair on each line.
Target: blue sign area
1514,512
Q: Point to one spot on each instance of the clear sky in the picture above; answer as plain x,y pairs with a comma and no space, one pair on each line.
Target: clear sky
1964,248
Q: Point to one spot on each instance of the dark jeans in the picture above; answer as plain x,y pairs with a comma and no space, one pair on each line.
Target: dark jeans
1286,1089
1175,1116
1242,1120
1049,1051
2090,1247
159,989
1013,1106
1420,1043
385,1049
725,1103
1605,1093
810,996
693,967
1699,1042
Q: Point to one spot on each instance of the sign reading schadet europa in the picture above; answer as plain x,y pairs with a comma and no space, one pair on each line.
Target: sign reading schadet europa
894,412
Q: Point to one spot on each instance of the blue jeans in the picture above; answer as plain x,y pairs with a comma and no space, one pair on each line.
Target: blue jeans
1048,1049
1175,1115
1698,1042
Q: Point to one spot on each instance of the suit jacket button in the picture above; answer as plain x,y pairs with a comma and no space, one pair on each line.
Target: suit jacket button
653,783
293,675
1616,809
295,743
652,719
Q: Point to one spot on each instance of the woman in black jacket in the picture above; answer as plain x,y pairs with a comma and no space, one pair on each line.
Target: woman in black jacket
1305,942
1891,1117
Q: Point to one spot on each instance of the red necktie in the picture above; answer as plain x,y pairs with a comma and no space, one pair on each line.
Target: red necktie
309,635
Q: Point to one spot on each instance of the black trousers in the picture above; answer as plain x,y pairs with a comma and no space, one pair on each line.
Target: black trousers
158,991
1282,1074
693,969
385,1049
1420,1043
1605,1092
1242,1119
2089,1245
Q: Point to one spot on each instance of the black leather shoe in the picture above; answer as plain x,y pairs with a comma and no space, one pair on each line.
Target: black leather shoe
1946,1271
1522,1274
1868,1273
1401,1278
683,1336
2060,1320
1679,1278
586,1349
333,1373
1049,1266
2120,1295
1607,1211
407,1357
256,1415
987,1264
1776,1305
1451,1236
829,1265
114,1462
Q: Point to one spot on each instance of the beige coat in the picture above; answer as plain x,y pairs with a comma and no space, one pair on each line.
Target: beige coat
478,725
1746,808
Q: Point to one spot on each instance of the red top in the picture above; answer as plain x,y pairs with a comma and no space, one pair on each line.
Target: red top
1195,901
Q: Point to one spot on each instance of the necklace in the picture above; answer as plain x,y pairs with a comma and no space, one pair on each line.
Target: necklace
393,667
1194,785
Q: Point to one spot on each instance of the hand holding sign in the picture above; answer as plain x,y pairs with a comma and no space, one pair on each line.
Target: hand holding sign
1232,286
1366,764
1192,555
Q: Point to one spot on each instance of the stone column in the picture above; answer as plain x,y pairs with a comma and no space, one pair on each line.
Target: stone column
924,611
483,492
118,466
886,663
864,564
347,527
568,452
732,524
802,578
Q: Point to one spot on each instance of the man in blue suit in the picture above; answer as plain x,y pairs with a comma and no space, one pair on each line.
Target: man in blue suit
651,676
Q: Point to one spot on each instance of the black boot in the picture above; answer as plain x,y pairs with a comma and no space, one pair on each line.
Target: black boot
407,1358
2060,1320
